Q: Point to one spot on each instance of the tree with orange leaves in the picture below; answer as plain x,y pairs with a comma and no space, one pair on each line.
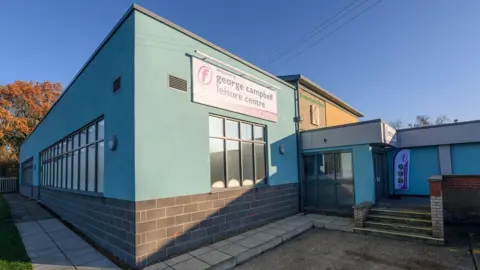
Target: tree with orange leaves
22,106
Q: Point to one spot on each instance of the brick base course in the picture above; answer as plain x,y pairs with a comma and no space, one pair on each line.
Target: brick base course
145,232
170,226
461,198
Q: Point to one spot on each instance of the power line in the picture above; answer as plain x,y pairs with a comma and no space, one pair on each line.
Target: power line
316,30
332,32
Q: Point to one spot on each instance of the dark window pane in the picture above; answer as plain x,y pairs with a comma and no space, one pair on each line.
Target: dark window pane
217,163
344,166
75,169
247,159
83,137
215,126
233,163
91,168
259,162
231,129
75,141
246,131
101,129
100,149
258,133
69,144
58,175
309,163
64,171
326,166
83,168
91,134
69,170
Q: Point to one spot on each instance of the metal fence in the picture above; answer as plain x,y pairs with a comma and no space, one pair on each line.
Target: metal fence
8,184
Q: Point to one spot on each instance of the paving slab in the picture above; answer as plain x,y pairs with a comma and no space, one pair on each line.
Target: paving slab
200,251
50,225
57,259
158,266
178,259
191,264
48,242
83,255
214,257
103,263
235,250
72,243
29,228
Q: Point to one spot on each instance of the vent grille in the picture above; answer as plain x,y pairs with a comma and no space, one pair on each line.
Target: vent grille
177,83
116,84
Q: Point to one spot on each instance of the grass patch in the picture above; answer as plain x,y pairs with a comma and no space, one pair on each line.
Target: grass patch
12,252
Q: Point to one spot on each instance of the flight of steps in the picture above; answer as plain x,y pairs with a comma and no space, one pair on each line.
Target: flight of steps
408,224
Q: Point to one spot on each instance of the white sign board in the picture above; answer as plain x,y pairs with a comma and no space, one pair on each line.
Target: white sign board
402,169
390,135
222,89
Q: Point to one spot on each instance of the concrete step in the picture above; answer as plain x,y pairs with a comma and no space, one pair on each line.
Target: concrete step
401,213
400,220
401,235
427,230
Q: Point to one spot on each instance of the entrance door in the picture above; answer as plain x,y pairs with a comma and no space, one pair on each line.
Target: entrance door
329,182
27,176
381,175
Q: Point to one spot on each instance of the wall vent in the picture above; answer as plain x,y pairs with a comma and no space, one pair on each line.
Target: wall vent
177,83
116,84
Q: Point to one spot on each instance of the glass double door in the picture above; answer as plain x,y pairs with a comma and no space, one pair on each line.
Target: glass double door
329,180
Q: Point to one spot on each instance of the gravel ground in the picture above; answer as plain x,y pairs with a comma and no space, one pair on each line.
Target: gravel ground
322,249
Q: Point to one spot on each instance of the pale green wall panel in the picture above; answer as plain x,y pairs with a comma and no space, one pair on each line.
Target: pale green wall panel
171,132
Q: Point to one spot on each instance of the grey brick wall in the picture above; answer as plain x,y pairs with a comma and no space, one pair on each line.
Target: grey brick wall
108,222
436,207
170,226
145,232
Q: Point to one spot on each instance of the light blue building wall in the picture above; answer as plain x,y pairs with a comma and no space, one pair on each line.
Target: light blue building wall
89,97
172,132
465,158
424,162
363,172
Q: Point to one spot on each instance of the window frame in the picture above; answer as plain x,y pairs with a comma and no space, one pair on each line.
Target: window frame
240,140
53,153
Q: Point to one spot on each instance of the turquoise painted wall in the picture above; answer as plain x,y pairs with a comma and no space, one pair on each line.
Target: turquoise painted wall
465,158
90,97
363,172
424,163
171,132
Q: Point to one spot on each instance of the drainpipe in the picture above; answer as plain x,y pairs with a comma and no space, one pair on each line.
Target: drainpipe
299,145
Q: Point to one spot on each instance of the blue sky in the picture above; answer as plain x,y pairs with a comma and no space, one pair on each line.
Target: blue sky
400,59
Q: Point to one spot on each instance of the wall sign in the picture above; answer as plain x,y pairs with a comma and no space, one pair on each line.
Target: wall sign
390,135
402,169
222,89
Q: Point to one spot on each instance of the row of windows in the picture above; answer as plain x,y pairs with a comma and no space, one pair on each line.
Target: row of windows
77,161
237,153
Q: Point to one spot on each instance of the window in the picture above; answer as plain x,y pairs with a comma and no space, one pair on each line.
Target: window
237,153
77,161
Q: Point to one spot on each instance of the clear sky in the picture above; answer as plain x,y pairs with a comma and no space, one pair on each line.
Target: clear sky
399,59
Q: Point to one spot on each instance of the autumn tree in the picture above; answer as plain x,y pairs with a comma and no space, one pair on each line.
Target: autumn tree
22,106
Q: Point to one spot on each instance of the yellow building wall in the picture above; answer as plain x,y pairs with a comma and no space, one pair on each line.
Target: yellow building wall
337,116
312,111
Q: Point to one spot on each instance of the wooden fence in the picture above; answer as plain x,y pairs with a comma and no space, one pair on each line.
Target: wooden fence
8,184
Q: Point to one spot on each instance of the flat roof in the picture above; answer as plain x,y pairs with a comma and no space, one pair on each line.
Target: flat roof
155,16
319,90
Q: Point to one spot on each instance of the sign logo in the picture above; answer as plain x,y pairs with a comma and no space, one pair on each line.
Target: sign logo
204,75
402,170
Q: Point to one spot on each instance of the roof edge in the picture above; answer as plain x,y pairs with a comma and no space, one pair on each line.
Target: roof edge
84,66
318,89
441,125
159,18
